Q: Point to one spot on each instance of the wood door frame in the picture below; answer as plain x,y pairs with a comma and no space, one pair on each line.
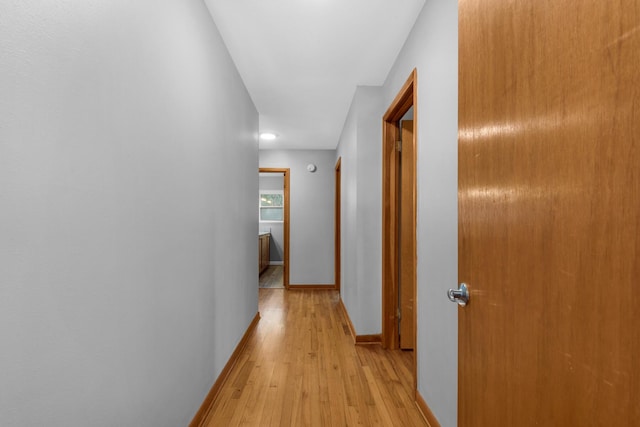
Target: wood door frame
337,224
286,188
404,100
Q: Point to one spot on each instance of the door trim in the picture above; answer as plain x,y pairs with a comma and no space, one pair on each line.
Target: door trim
405,99
337,224
287,174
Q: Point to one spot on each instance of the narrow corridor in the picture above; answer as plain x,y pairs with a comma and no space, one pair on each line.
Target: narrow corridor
301,368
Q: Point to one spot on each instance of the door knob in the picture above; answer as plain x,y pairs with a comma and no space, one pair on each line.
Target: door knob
461,295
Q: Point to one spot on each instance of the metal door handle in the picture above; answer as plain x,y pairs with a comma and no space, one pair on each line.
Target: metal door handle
461,295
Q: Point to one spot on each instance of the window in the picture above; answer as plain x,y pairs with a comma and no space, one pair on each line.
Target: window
271,206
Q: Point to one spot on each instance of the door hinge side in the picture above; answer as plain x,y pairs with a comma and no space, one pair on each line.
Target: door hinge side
399,146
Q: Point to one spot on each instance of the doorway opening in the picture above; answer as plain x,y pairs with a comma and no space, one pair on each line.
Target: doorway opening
273,239
399,198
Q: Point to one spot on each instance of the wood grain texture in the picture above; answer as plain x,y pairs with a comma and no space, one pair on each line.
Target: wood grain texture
217,386
549,211
300,368
317,287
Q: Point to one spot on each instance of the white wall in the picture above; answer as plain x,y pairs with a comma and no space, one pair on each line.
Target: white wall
276,241
121,126
311,236
432,48
360,148
347,151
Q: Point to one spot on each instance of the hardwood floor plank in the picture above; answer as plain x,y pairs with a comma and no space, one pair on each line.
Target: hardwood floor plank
301,368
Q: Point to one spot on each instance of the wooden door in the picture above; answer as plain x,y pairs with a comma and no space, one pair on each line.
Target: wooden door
549,212
406,236
337,224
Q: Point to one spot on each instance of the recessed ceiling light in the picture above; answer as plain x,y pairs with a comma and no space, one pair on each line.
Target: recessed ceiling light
268,136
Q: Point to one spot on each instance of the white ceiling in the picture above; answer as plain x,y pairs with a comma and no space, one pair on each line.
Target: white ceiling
301,60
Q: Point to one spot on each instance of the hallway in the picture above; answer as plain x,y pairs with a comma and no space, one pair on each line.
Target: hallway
300,367
130,152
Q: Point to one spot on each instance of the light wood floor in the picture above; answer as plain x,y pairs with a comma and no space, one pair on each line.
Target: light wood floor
272,277
301,368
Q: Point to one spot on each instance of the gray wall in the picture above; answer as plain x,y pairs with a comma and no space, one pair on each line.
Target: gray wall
276,241
121,298
360,148
312,199
432,48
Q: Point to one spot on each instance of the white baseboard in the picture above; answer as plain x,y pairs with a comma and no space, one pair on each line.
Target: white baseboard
276,262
